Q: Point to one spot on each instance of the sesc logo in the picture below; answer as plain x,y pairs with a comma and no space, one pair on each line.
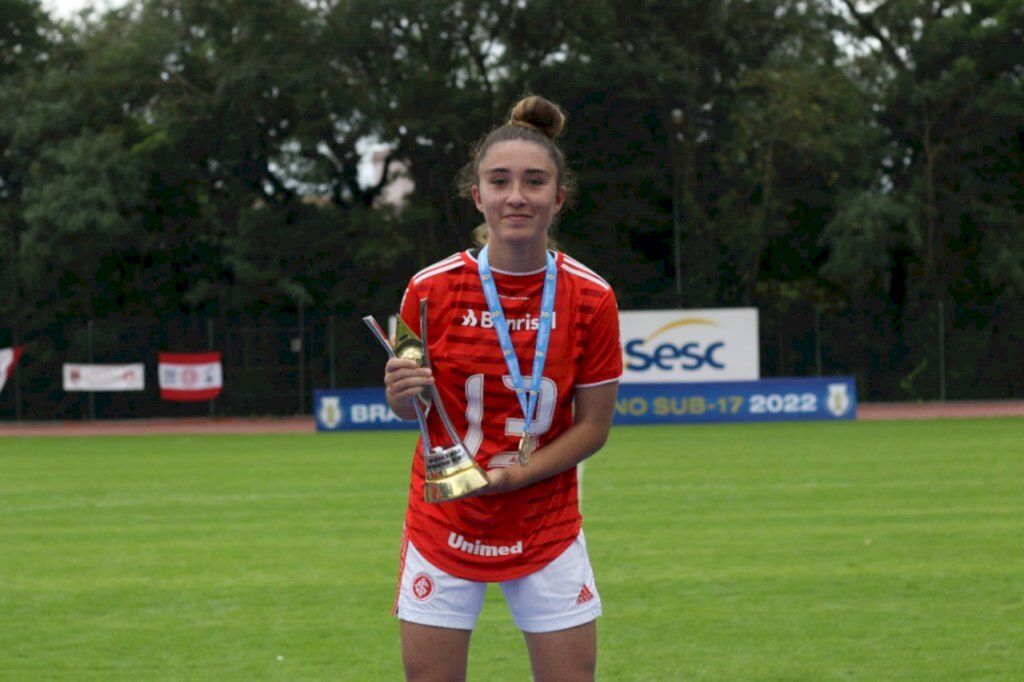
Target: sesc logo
689,346
673,355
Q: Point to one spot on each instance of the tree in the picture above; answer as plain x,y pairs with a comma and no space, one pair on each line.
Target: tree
943,219
203,158
952,106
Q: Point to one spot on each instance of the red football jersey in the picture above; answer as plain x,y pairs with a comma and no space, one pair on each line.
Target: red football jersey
502,537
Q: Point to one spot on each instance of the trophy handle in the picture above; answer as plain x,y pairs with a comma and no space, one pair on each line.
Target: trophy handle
421,418
451,473
448,426
379,333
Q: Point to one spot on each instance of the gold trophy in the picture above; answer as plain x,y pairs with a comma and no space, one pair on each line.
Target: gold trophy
451,472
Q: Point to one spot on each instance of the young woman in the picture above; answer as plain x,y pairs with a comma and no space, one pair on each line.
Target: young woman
523,340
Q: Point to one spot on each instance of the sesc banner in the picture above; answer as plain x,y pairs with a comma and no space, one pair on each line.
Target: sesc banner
673,346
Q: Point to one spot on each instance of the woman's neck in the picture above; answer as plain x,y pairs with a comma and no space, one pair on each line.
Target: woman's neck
516,259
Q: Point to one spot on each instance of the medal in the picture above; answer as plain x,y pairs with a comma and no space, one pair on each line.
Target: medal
527,444
527,396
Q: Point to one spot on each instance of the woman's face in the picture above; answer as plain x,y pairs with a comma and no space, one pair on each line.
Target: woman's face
518,192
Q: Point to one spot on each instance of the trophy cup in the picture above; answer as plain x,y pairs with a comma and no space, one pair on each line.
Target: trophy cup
451,472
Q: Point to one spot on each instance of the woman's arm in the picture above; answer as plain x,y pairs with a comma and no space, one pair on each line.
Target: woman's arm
595,409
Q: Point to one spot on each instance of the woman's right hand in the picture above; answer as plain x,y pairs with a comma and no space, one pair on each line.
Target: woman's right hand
403,381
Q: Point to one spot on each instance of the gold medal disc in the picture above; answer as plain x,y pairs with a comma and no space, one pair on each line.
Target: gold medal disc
527,444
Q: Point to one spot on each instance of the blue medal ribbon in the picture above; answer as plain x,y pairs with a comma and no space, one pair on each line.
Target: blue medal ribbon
527,397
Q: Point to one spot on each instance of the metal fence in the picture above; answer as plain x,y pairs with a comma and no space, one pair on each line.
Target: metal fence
934,350
269,368
272,363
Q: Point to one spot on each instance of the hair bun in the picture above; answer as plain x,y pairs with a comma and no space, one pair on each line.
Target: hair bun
538,114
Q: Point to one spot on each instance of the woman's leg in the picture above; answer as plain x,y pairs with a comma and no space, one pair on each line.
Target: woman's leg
557,608
564,655
434,654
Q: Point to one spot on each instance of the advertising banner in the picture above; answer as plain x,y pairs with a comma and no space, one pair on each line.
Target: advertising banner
190,377
8,360
355,409
674,346
790,399
130,377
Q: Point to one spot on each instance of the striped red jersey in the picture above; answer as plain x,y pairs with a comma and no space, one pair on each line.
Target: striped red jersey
502,537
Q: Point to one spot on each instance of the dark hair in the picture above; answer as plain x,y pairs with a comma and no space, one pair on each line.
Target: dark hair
532,119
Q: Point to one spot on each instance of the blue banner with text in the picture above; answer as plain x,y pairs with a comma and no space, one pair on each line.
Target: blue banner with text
788,399
355,409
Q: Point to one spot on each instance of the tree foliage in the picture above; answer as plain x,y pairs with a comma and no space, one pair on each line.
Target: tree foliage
178,157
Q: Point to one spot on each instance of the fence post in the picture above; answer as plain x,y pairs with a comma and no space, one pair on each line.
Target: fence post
942,350
17,383
817,340
302,358
92,394
209,341
330,349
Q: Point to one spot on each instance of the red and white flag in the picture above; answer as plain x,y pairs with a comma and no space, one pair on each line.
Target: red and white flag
190,376
104,377
8,360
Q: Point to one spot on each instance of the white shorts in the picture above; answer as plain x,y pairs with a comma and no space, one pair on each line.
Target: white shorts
559,596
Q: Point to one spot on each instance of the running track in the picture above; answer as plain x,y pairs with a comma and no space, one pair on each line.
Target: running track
865,411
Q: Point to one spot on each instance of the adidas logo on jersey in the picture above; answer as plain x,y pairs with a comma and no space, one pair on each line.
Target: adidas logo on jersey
486,320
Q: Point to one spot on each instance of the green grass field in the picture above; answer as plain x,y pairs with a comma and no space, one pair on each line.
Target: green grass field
815,551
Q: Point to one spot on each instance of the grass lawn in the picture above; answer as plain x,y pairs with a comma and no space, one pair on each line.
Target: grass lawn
802,551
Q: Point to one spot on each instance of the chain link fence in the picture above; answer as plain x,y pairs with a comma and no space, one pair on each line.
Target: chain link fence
271,364
935,350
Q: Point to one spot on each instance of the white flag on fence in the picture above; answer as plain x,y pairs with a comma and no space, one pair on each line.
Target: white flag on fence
8,359
130,377
190,376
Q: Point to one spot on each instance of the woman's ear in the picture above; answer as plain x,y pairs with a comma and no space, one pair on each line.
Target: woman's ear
560,198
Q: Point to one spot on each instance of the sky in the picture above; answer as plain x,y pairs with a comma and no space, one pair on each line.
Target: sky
65,9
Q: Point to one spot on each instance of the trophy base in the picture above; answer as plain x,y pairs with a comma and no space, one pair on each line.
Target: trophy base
454,482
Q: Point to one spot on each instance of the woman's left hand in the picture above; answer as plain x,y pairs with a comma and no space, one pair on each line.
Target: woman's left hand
499,480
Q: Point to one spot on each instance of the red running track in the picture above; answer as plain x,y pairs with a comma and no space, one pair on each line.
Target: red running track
306,424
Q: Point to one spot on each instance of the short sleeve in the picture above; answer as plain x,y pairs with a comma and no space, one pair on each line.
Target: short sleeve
602,357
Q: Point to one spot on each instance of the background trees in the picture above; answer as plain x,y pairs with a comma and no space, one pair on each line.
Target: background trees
184,160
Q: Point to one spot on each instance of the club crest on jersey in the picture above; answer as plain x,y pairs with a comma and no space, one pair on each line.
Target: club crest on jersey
485,320
422,587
